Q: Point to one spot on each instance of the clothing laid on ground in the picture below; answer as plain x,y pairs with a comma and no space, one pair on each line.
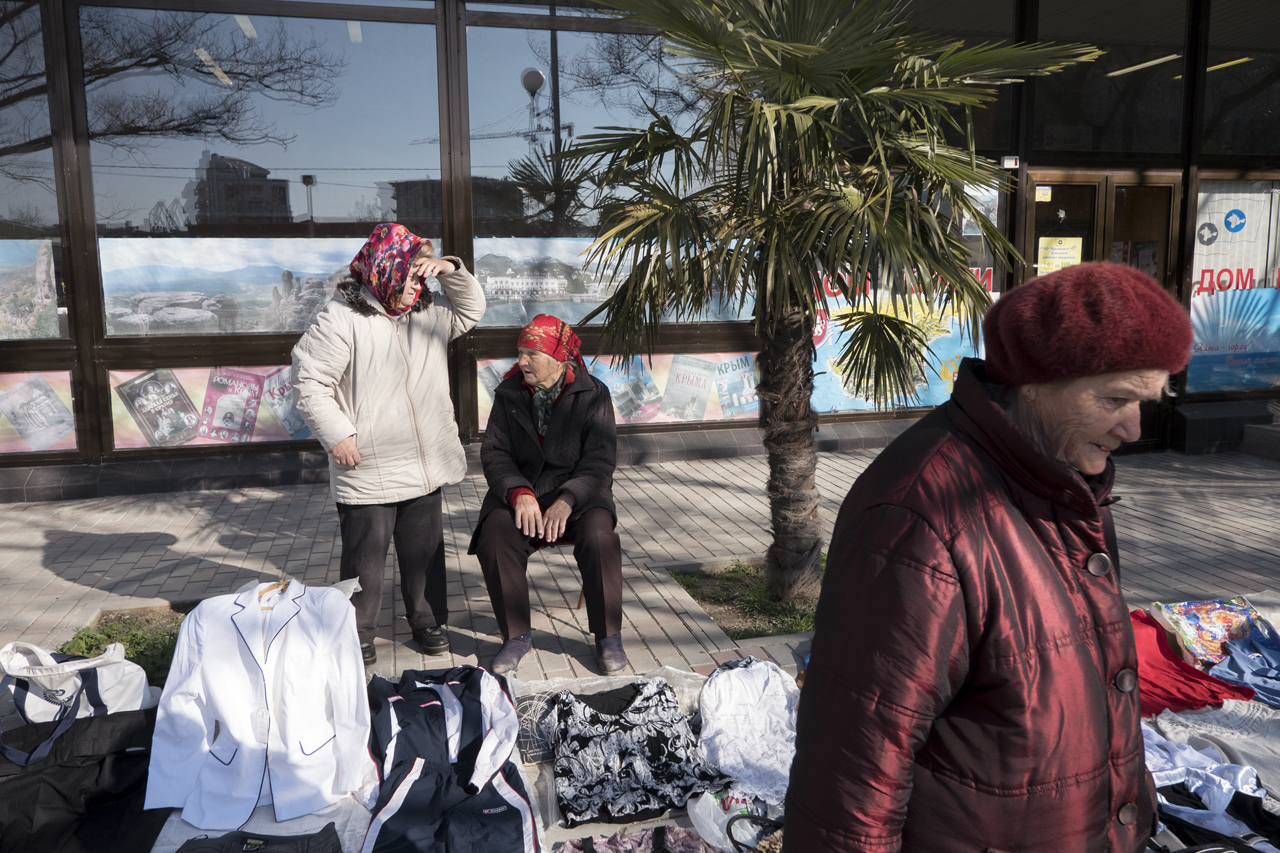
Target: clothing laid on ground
972,682
1203,626
1196,823
1166,681
1245,733
86,795
265,699
1253,661
626,755
418,530
442,741
660,839
324,841
573,458
749,726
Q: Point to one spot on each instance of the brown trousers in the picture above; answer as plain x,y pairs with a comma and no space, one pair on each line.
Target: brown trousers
504,558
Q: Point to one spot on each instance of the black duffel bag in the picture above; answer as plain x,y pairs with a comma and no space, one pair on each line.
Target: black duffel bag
86,794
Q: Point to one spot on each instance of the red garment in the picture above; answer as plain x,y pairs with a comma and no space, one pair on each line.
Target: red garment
1085,320
549,335
1167,681
382,265
971,685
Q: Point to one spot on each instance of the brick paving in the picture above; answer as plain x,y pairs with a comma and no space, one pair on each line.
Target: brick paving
1189,527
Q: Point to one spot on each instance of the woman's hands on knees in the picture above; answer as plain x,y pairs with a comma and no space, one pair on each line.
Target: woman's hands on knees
534,523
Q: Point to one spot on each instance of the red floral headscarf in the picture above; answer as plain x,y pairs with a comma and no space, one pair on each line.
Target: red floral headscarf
552,336
382,265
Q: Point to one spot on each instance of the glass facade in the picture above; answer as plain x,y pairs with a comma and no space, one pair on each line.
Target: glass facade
32,295
1130,99
275,157
180,185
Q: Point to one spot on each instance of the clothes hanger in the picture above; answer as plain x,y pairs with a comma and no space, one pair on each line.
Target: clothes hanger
272,587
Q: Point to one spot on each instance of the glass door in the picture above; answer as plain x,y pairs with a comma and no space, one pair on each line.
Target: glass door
1123,217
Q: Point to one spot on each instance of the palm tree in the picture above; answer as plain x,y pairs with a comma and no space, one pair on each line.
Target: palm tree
820,151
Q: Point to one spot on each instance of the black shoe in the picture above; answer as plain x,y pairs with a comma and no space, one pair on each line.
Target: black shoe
609,653
508,657
433,641
369,653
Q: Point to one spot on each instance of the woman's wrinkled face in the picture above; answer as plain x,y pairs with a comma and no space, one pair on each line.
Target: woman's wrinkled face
1083,421
409,293
539,369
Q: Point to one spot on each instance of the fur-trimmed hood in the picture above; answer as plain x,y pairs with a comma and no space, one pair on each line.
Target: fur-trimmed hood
357,298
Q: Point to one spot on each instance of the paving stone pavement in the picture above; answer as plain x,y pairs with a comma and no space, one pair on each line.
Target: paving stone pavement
1189,527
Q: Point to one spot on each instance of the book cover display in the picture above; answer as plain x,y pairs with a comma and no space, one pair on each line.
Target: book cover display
239,404
231,404
688,388
635,395
736,386
160,407
278,392
37,413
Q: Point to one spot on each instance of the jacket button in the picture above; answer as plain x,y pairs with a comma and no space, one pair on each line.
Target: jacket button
1128,814
1098,564
1126,680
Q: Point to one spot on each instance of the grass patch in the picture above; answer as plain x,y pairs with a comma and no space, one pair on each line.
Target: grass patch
149,637
737,599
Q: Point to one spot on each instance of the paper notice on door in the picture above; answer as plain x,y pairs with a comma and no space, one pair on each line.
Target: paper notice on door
1058,252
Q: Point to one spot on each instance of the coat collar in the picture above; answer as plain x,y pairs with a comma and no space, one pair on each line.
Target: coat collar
249,618
973,411
356,296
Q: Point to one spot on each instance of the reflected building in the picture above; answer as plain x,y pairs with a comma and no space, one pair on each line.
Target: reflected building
237,191
495,204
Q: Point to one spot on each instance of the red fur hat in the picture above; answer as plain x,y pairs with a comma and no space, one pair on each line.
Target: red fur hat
1085,320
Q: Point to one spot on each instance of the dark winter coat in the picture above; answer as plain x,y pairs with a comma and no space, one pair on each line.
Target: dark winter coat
973,679
577,455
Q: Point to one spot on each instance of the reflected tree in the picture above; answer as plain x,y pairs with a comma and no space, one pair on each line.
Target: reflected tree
159,75
555,192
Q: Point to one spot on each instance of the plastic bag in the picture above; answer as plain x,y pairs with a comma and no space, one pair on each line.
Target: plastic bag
711,813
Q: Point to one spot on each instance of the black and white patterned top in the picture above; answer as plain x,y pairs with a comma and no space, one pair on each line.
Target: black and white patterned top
625,755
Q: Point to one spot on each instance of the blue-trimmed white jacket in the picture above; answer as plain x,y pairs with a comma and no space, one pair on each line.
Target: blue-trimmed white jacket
262,701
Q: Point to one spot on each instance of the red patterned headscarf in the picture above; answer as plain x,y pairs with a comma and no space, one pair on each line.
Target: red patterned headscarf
382,264
552,336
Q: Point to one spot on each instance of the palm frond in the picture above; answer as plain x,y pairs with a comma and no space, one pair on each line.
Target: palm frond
884,359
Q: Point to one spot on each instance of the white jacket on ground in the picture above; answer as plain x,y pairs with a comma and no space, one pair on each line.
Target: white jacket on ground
262,702
385,380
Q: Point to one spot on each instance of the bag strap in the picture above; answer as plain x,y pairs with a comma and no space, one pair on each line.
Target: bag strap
737,845
66,717
89,685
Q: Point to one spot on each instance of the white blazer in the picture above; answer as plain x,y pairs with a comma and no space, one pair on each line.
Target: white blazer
262,697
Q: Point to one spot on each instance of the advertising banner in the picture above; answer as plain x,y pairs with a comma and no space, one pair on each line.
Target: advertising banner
35,412
1235,307
157,407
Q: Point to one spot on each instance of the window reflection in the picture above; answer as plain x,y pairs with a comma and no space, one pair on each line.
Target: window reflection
32,296
1242,82
239,161
532,93
1130,99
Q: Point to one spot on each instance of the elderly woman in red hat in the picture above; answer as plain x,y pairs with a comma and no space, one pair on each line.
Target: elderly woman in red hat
370,378
973,682
549,452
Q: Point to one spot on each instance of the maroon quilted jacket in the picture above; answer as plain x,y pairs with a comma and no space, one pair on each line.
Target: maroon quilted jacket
973,680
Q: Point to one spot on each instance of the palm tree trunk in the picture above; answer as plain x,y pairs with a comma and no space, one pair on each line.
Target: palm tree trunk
789,421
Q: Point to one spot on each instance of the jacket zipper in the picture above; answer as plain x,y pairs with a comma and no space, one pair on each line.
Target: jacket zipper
413,415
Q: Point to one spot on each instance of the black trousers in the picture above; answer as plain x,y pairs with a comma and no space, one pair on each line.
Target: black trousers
504,558
418,530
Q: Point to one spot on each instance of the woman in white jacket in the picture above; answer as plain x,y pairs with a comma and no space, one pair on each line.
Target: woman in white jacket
371,379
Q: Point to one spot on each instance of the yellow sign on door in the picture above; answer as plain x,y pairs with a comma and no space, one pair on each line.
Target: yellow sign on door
1058,252
1044,193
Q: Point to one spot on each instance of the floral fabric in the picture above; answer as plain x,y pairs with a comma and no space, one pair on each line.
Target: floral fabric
552,336
630,765
1203,626
382,265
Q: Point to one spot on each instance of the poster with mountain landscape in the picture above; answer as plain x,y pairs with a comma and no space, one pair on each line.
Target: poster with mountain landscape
216,285
28,290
